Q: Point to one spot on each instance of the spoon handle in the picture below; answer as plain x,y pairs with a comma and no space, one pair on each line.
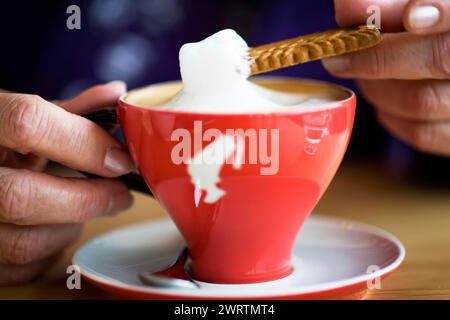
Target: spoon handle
175,276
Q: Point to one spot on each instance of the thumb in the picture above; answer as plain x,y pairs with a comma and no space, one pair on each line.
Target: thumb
351,12
95,98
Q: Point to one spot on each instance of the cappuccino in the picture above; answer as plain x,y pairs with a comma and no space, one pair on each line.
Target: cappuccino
215,75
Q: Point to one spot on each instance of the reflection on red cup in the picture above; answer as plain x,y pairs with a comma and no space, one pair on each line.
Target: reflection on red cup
240,226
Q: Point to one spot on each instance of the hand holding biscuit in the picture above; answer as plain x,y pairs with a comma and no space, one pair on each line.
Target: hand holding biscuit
406,77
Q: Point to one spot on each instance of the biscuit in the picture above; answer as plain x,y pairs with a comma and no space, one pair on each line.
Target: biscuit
311,47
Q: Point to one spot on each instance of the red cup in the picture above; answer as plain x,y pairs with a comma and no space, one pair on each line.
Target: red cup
247,234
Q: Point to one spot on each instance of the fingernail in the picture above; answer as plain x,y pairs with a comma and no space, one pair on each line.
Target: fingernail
118,161
337,64
422,17
119,202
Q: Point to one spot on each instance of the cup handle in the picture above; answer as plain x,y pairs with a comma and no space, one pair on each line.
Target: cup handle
103,116
107,118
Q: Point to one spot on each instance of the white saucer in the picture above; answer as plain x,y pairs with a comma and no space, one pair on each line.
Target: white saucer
333,258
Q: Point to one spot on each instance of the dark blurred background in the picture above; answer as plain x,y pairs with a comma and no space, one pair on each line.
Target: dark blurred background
137,41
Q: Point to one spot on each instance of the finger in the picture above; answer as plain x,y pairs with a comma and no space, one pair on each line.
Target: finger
29,124
15,160
19,274
427,16
25,244
32,198
398,56
424,136
427,100
95,98
351,12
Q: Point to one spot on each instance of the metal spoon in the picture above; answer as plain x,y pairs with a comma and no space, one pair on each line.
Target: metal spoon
170,277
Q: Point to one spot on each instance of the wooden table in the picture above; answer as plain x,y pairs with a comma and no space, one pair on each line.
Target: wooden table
419,216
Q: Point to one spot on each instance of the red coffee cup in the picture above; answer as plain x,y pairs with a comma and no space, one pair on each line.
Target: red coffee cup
243,230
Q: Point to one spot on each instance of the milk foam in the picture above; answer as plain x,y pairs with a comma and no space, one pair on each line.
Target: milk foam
214,72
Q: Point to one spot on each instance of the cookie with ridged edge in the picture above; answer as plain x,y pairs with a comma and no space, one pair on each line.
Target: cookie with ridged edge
311,47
